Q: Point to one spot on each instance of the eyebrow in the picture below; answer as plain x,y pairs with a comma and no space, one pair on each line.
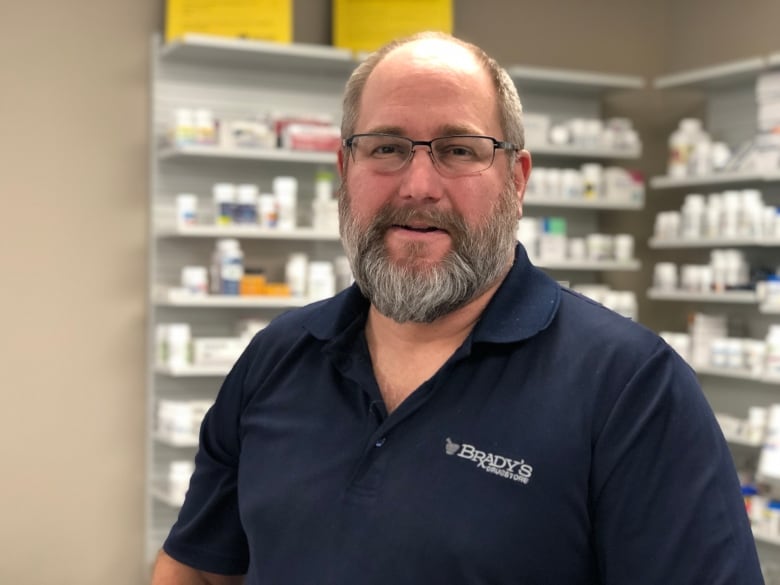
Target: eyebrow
448,130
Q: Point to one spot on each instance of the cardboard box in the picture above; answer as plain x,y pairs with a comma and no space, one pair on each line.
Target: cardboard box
265,20
366,25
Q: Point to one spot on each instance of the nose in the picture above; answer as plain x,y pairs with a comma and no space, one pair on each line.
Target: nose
420,179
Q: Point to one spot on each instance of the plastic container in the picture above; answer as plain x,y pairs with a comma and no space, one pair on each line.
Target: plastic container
195,280
205,128
325,212
186,210
253,282
295,272
267,210
231,263
681,144
624,247
224,195
665,276
592,178
286,194
321,280
772,368
693,216
177,345
245,210
184,133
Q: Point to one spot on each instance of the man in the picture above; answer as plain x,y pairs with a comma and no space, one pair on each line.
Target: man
456,417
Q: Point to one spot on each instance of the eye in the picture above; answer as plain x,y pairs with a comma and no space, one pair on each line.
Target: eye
383,147
388,149
456,150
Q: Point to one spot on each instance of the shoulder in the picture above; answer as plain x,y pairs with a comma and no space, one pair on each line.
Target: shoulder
583,318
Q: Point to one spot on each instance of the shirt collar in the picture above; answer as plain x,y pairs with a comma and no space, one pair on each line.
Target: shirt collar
523,305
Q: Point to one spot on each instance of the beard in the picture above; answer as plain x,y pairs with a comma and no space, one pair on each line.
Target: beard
414,289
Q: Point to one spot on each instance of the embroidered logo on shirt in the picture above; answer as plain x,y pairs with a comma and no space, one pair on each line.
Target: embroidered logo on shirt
490,462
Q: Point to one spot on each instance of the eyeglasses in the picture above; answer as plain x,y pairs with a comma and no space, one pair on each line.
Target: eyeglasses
452,156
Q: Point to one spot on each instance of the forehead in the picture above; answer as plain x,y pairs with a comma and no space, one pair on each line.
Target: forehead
426,85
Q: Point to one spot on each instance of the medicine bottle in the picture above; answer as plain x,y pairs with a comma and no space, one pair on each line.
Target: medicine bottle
195,280
772,368
295,272
286,194
231,266
267,210
322,280
253,282
205,129
186,210
245,211
592,175
224,203
177,345
184,127
681,144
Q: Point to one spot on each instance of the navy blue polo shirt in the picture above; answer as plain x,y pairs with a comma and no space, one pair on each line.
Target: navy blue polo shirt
560,444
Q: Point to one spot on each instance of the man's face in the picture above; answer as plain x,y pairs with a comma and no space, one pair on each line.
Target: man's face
422,244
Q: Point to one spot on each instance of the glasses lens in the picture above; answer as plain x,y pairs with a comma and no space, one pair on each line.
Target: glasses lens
383,153
463,154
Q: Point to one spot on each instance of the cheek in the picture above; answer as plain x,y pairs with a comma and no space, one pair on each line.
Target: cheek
368,194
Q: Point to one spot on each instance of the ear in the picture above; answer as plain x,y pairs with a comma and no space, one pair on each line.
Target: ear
522,172
340,165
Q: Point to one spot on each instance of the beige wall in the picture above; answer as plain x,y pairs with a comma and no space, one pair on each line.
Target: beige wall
73,154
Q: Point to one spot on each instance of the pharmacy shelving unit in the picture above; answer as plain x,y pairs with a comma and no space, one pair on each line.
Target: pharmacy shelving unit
563,95
235,79
728,92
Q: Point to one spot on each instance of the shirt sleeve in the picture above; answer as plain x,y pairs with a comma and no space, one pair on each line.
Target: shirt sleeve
665,498
208,535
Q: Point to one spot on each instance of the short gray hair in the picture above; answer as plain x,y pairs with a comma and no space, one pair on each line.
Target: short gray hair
510,110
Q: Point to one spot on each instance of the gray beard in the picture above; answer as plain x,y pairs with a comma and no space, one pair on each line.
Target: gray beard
421,292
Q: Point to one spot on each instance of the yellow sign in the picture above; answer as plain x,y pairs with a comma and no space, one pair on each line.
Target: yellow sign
267,20
366,25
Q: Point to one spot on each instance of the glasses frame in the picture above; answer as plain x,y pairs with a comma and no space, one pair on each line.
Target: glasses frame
497,145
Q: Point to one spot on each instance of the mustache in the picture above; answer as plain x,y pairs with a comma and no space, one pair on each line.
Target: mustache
390,215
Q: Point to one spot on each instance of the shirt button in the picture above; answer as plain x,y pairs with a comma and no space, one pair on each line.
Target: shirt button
380,442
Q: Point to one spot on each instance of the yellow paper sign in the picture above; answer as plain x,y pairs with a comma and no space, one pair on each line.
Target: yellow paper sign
366,25
267,20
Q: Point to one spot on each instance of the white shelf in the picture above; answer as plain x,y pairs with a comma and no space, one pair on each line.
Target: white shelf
247,232
177,298
199,151
569,80
716,76
176,441
603,204
609,265
193,371
736,297
724,178
583,152
223,51
770,308
657,243
162,495
766,538
743,442
735,373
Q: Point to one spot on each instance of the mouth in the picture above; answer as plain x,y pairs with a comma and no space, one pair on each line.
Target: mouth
420,229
